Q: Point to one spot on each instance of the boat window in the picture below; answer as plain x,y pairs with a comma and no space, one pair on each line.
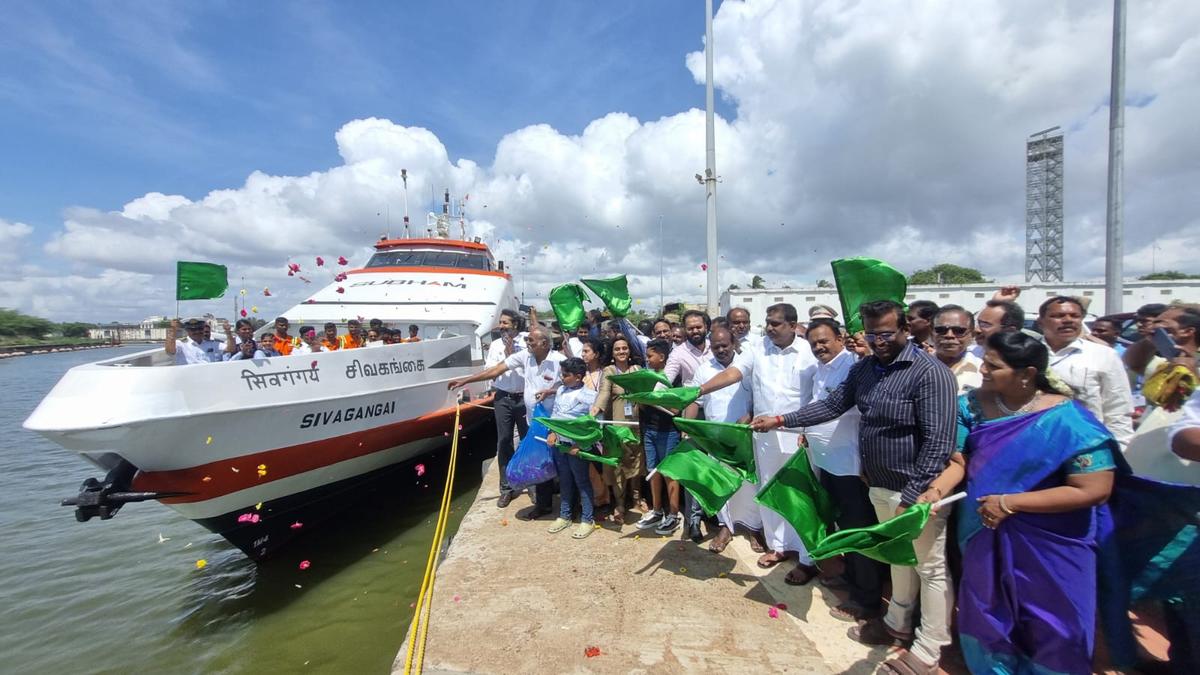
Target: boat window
410,258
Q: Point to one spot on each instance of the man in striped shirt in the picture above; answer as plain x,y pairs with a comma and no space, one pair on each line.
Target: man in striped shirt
906,436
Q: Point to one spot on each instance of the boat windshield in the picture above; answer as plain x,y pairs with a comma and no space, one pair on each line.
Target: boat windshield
427,258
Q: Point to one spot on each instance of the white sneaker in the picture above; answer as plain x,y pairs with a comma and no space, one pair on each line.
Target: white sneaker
649,520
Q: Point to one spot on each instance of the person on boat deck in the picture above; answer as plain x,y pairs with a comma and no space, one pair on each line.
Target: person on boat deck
243,330
309,344
194,348
281,342
572,400
353,339
376,324
413,329
330,341
1037,464
247,349
374,338
539,366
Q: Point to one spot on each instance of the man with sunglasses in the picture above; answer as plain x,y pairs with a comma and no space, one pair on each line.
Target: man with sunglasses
953,327
905,438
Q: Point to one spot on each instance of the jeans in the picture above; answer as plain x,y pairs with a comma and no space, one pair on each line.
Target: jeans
510,412
573,479
659,443
864,575
929,581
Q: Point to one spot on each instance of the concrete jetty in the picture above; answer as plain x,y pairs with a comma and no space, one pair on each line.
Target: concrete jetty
511,598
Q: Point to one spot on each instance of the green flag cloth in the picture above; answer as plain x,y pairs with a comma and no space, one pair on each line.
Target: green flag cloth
614,438
708,480
888,542
567,303
862,280
639,381
795,493
679,397
730,443
614,292
591,456
199,281
583,430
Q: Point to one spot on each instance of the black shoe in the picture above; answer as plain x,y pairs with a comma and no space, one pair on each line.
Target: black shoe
533,513
505,499
693,533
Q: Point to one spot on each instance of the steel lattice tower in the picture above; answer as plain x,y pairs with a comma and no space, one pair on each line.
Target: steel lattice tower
1044,206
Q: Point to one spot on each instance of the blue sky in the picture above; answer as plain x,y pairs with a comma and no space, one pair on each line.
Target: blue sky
105,101
141,133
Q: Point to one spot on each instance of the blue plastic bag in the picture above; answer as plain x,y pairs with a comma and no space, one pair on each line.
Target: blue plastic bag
533,462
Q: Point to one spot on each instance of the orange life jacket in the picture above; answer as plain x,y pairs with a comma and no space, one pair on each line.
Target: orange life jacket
348,341
283,345
331,346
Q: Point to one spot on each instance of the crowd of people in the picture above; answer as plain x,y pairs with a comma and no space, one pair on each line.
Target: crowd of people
198,345
923,403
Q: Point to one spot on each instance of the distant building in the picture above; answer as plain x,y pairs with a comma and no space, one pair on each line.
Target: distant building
151,329
971,296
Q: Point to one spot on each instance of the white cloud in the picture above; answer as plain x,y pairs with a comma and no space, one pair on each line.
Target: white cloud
887,129
12,240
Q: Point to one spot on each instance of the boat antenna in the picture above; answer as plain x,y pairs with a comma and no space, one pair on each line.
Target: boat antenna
462,216
404,177
387,216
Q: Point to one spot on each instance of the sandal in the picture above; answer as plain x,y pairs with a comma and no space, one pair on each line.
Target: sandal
757,546
770,559
801,575
877,634
907,664
719,542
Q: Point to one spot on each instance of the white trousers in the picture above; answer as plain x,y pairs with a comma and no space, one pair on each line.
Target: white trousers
771,451
929,582
741,511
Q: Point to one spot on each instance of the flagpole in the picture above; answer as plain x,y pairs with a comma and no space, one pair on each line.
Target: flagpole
949,500
710,170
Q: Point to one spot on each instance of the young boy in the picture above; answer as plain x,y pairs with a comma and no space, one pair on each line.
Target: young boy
659,436
572,400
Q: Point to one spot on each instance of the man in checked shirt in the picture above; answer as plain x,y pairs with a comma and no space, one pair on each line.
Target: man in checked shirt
906,436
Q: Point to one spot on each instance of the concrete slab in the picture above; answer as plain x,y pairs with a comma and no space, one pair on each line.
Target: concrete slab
512,598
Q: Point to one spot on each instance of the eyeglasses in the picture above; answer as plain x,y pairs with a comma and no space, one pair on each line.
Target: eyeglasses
985,325
957,330
880,337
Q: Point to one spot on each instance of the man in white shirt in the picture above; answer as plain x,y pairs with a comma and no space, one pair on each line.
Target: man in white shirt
731,404
953,330
539,370
194,348
780,381
833,449
575,342
1093,370
309,344
509,400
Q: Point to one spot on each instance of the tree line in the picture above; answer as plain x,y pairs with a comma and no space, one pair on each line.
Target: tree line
14,324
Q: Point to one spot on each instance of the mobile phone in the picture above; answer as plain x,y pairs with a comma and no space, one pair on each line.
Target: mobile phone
1164,344
524,309
496,334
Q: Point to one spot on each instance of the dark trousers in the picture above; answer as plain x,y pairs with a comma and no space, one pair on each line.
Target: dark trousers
864,575
510,412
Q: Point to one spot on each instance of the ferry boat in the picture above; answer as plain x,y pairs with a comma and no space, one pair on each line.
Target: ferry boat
263,460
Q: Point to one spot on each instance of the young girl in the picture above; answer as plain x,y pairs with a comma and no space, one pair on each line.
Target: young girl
626,478
572,400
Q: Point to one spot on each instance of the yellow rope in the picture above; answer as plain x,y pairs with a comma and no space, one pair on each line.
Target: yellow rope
420,626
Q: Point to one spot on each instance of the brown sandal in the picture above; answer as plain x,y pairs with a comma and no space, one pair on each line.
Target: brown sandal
876,633
907,664
770,559
719,542
806,574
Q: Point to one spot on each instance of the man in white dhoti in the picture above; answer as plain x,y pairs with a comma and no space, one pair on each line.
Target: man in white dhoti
778,368
731,404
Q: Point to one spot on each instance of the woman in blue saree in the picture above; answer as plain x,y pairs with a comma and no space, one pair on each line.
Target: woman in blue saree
1037,464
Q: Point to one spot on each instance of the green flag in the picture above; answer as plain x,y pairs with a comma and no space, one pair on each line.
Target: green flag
730,443
199,281
590,456
567,303
888,542
679,397
639,381
711,482
614,438
614,292
862,280
583,430
795,493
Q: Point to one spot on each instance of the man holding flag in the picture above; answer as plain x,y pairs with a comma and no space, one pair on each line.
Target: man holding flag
779,370
906,436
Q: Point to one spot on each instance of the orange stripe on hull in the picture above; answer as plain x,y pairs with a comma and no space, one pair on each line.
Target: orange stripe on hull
216,479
